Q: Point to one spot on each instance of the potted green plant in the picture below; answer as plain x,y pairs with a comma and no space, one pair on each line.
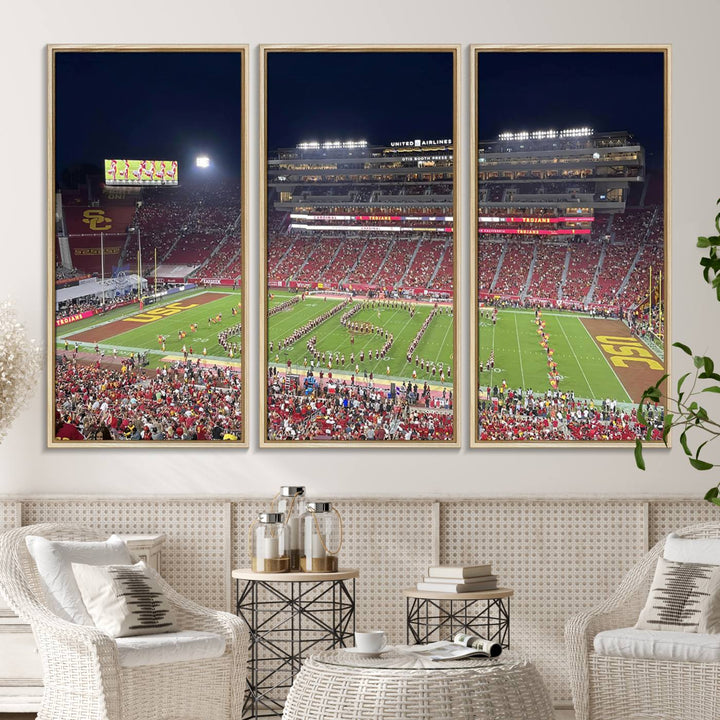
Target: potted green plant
685,411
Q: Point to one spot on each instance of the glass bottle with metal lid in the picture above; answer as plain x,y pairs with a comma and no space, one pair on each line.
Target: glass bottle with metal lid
269,546
291,502
322,537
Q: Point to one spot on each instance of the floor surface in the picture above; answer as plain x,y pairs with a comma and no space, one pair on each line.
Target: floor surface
559,715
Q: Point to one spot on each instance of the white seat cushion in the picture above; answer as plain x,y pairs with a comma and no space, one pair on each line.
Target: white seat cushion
658,645
169,648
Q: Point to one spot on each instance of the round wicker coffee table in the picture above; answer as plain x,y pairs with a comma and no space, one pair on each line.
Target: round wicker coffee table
341,685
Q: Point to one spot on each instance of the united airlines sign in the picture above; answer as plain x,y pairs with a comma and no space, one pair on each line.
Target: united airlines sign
420,143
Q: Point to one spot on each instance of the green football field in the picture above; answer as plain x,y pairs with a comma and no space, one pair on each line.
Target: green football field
435,346
522,362
144,337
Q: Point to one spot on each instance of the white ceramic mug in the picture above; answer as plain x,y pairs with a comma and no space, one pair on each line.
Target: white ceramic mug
372,641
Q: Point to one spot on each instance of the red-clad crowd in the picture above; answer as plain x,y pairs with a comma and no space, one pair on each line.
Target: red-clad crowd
342,411
182,401
558,416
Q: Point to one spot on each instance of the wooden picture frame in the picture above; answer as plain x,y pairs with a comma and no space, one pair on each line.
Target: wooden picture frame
333,164
137,247
569,223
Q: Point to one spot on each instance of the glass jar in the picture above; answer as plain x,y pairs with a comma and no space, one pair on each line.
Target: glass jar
291,502
269,547
322,538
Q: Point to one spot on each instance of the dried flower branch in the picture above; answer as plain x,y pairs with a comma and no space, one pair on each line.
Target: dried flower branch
19,366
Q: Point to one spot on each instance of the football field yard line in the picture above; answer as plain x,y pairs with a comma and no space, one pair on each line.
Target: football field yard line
492,351
517,335
577,360
450,327
409,320
628,397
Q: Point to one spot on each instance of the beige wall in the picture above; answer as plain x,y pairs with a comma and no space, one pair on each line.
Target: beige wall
27,467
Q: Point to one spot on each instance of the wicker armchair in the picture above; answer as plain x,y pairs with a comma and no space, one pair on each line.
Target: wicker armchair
614,688
81,671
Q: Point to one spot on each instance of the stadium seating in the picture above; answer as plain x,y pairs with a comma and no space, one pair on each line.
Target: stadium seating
445,272
348,255
547,271
584,259
489,254
396,263
422,269
515,268
322,252
376,250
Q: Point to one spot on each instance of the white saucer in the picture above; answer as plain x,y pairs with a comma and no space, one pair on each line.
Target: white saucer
359,653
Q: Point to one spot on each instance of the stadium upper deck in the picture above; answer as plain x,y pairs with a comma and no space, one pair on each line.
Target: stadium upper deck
574,170
354,173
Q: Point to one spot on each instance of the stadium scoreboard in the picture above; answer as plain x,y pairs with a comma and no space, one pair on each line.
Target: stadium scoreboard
141,172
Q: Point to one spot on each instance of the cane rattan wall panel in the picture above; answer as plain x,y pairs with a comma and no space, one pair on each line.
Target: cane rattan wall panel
559,557
8,515
193,557
391,544
244,513
668,515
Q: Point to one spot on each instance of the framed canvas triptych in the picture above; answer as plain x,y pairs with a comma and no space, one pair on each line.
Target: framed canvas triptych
359,243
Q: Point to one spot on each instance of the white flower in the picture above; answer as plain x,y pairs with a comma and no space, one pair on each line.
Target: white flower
19,366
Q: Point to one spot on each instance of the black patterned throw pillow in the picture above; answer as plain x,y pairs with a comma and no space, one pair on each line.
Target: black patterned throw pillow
684,597
124,600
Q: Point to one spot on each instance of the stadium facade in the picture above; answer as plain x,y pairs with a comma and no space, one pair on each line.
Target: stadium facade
564,217
362,217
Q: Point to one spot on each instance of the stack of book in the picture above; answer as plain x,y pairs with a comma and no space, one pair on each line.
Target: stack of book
458,579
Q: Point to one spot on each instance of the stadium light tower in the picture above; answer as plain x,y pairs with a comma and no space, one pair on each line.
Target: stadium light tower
202,161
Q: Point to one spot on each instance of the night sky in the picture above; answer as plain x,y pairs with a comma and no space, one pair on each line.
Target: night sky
607,91
149,105
373,96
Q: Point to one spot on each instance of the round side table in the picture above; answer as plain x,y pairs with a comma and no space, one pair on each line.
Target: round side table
290,615
484,613
340,685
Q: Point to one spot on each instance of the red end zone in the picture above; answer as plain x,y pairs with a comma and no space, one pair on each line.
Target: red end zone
635,364
116,327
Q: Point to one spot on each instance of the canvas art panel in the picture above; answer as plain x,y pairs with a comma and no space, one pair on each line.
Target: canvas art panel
147,221
360,247
570,246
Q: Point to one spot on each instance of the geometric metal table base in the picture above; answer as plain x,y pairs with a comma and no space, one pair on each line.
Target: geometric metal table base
430,619
288,618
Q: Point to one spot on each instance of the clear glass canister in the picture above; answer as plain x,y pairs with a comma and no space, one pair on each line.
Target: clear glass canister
291,502
322,538
269,547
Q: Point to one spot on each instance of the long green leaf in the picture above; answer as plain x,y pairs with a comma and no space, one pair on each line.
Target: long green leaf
683,347
667,424
639,461
684,443
713,492
701,464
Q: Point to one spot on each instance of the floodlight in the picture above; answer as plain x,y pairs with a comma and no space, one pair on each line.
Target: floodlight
202,161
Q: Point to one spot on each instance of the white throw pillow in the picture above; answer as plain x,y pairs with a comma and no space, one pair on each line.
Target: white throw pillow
54,559
692,550
124,600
